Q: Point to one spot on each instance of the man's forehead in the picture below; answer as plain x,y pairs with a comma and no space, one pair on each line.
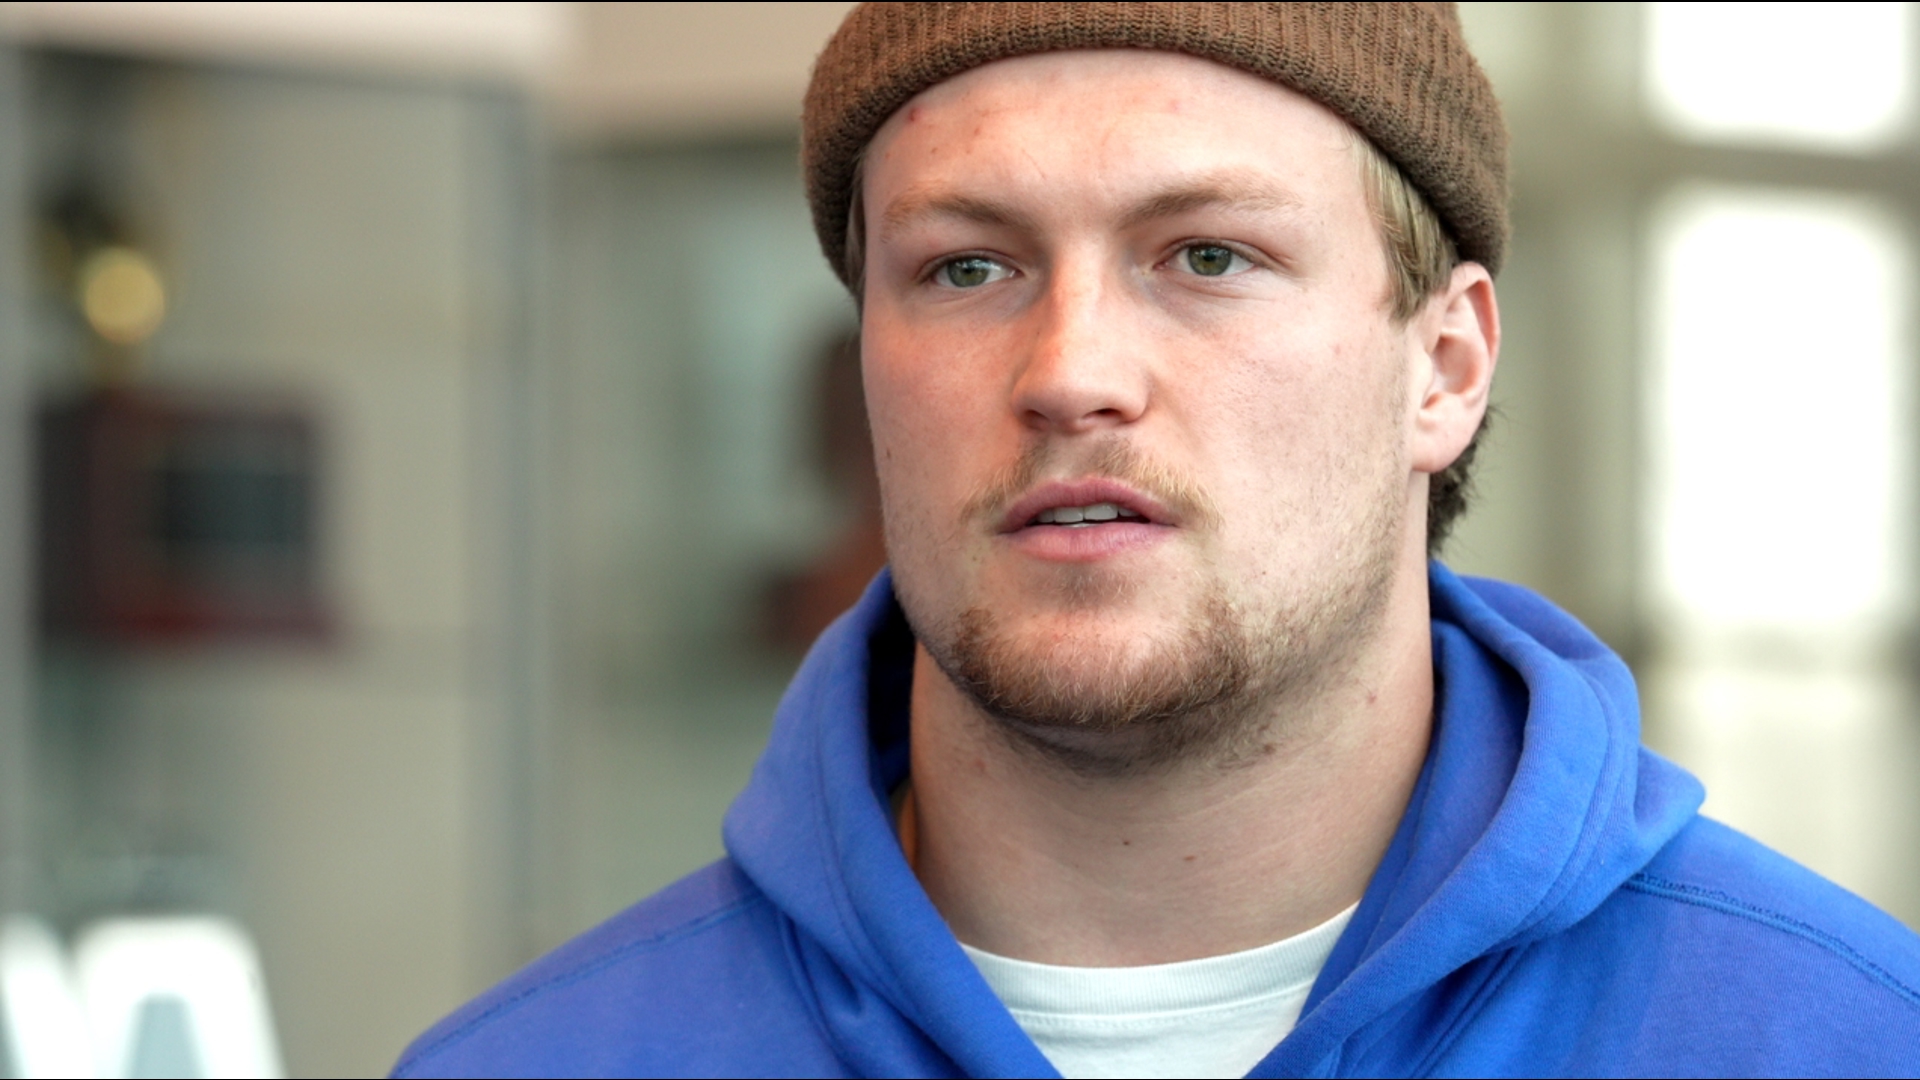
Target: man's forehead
1157,133
1122,83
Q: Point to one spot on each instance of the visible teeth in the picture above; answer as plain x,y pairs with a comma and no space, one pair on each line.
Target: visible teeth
1080,515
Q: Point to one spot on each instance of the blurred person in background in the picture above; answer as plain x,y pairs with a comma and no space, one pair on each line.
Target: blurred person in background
801,605
1165,748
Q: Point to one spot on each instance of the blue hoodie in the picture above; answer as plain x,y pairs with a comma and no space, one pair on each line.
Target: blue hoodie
1551,904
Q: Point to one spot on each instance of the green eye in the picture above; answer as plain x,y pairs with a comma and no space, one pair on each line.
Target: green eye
1209,260
968,272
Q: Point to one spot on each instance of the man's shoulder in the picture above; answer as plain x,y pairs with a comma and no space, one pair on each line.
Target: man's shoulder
1720,956
1717,876
695,980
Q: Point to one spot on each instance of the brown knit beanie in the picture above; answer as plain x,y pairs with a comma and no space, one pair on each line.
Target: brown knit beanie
1399,73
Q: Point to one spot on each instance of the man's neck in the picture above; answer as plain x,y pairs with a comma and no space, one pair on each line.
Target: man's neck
1030,860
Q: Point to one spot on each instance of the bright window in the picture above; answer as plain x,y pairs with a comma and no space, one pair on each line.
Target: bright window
1777,389
1823,76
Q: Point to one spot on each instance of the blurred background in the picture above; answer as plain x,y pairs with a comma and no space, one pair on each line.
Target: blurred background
428,442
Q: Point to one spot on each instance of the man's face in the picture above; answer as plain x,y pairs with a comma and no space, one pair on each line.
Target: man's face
1141,413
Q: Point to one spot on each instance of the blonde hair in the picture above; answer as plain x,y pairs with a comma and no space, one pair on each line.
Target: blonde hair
1420,261
1420,254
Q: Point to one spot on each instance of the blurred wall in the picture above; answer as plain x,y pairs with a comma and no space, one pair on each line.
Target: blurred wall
359,246
346,205
679,71
1555,490
691,307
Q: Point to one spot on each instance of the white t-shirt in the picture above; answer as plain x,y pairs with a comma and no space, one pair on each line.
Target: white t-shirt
1215,1017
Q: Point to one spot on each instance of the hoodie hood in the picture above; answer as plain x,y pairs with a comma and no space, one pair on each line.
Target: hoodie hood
1535,803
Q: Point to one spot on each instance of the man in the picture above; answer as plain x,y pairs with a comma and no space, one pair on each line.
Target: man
1164,750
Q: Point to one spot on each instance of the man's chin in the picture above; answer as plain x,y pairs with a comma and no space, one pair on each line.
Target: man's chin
1101,694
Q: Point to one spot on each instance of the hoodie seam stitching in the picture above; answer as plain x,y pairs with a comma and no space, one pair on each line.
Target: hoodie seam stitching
1715,900
665,937
809,993
1457,1027
1478,997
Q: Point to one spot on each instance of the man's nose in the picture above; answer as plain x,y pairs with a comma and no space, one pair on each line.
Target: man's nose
1085,369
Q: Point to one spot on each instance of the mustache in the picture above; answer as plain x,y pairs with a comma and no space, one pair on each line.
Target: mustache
1111,459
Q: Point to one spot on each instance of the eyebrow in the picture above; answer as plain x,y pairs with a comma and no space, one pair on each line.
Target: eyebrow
917,205
1207,192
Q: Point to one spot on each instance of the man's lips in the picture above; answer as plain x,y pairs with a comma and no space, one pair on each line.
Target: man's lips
1134,507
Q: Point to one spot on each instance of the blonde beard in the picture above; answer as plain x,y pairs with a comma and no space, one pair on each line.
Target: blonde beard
1210,689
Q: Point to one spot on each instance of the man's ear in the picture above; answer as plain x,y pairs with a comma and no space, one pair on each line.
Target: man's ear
1458,335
